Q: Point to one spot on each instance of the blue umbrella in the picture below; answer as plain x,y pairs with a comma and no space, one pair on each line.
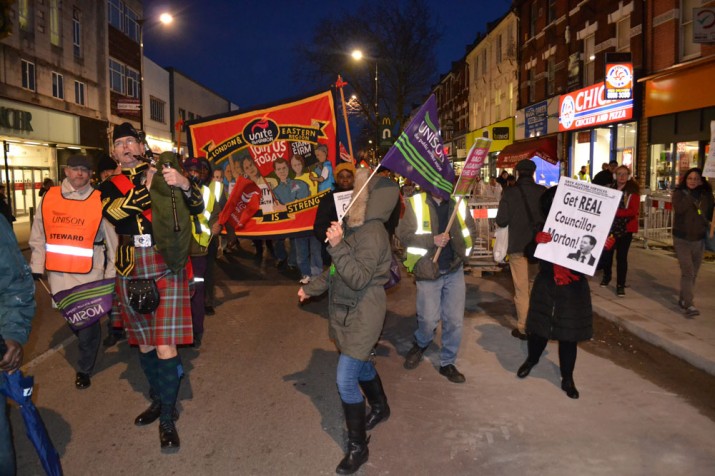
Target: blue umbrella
19,389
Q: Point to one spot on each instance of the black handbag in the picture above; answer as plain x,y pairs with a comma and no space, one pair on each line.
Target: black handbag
143,295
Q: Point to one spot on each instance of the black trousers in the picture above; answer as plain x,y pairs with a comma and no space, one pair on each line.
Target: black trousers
620,249
89,339
567,354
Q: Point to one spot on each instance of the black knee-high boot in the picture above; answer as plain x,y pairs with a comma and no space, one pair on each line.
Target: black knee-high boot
379,409
169,373
567,362
357,438
536,345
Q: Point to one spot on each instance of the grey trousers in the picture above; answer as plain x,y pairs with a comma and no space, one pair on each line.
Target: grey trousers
89,339
690,256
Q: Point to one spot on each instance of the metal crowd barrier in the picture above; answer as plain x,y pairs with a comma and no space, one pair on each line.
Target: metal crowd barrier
484,212
657,215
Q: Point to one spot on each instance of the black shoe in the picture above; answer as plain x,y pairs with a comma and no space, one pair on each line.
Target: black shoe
620,291
209,310
169,437
280,263
604,282
452,374
113,338
151,414
198,337
525,369
519,335
570,388
414,356
82,381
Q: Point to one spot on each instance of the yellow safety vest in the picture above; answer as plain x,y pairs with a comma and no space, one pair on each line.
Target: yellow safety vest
424,227
211,194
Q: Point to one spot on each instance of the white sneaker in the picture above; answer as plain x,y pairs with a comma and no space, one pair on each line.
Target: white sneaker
692,311
305,280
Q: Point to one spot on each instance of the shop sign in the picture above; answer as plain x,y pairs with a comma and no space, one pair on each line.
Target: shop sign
16,119
535,119
500,133
619,81
704,25
588,107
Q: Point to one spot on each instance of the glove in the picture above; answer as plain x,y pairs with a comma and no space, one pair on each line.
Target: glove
564,276
36,276
610,242
542,237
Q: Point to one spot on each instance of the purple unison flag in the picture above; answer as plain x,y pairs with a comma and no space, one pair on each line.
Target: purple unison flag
83,305
418,154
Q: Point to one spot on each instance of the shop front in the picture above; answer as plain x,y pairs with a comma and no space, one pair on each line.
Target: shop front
679,106
35,143
597,130
502,134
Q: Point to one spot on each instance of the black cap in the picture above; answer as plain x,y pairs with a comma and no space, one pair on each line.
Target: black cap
79,161
106,163
124,130
526,165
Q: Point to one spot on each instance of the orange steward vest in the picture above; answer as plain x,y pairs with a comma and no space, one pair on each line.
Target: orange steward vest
70,229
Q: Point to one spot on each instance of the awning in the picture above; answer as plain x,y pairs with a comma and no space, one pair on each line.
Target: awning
544,148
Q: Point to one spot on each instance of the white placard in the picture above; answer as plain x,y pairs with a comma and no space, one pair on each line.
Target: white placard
342,200
579,222
709,168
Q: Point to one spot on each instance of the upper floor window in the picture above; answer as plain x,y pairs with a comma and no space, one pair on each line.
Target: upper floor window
28,75
79,93
551,12
589,59
25,15
77,33
623,34
131,24
55,23
133,83
531,79
182,114
550,76
499,49
58,85
115,12
532,19
688,48
156,110
117,75
484,61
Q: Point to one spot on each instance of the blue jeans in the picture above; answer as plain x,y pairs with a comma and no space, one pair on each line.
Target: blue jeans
302,254
350,372
316,256
7,451
441,300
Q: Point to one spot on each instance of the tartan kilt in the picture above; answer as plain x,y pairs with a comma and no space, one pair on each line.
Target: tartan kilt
170,324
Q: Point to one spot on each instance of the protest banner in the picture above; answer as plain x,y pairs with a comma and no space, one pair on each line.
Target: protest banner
288,150
709,168
579,222
472,166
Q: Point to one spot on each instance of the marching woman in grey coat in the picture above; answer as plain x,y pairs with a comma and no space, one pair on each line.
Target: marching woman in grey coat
355,282
559,309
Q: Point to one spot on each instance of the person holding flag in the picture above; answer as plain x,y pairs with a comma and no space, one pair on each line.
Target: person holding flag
437,246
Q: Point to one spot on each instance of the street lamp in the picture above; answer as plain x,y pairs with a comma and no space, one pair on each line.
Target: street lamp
358,56
165,19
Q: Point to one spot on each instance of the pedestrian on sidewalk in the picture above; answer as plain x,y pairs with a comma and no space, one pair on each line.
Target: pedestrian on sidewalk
519,210
559,309
17,309
625,224
355,282
85,255
441,290
692,214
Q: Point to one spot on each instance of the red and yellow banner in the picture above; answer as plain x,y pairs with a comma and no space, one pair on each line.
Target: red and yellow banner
287,150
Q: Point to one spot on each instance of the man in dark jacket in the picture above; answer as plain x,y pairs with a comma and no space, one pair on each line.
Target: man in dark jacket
605,177
513,213
17,308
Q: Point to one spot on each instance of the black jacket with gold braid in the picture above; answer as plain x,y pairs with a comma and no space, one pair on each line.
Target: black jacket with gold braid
127,211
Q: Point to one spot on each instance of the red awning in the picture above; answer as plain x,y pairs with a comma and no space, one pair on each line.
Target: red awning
544,148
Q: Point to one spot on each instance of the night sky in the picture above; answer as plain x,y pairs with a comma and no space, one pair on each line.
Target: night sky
241,49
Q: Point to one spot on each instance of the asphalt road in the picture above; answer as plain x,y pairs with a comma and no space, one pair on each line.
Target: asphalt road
260,398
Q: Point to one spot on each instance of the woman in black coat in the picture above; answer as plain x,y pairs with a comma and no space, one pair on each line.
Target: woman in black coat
559,309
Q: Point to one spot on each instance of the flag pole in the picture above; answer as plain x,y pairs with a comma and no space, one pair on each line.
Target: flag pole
356,195
449,226
340,84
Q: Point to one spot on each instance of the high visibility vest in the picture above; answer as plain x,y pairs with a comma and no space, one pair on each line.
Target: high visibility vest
201,229
424,227
70,229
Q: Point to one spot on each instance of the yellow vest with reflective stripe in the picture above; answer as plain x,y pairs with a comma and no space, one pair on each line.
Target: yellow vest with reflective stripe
424,227
211,194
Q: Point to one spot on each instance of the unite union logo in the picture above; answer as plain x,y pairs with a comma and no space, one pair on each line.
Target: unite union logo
261,131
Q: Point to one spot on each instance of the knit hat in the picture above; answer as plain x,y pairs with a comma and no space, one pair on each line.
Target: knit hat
344,166
525,165
79,161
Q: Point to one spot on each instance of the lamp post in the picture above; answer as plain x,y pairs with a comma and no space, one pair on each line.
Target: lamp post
165,19
358,56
